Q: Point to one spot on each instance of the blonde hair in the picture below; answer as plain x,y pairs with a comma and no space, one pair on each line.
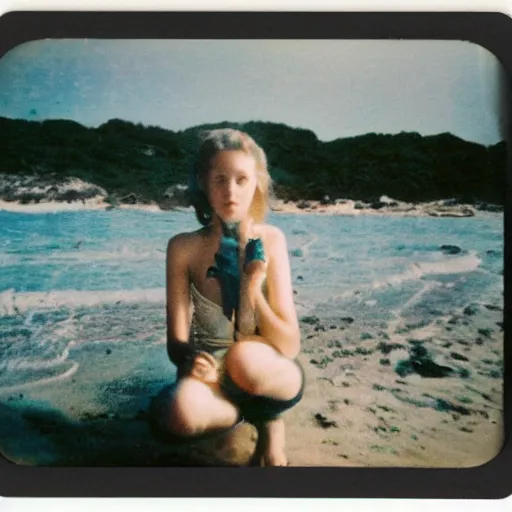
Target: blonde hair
228,139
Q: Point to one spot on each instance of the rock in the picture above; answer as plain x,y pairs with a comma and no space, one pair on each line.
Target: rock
297,253
446,406
450,202
388,201
303,205
384,201
37,188
450,249
458,211
458,357
312,320
323,422
420,362
175,196
377,205
471,310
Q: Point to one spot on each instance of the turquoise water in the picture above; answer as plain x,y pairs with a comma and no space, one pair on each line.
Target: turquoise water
65,276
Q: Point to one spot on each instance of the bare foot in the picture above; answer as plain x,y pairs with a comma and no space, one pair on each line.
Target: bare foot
270,450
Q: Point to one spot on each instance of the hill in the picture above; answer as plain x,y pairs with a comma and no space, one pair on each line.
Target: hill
137,163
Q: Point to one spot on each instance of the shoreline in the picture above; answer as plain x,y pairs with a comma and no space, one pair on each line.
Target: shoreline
440,208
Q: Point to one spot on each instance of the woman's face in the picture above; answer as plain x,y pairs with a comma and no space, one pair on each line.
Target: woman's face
231,184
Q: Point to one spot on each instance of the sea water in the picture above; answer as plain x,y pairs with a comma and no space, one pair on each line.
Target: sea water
75,278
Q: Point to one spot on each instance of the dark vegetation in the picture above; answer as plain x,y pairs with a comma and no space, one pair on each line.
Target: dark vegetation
130,159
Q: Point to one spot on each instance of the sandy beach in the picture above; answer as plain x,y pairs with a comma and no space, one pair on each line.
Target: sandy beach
441,208
359,411
356,411
417,385
72,206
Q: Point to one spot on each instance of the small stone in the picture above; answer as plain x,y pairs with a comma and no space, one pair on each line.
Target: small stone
470,310
458,357
451,249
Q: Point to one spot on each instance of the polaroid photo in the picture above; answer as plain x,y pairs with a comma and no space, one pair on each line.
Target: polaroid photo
223,252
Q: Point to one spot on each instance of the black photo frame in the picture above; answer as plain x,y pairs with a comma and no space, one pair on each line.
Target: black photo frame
492,31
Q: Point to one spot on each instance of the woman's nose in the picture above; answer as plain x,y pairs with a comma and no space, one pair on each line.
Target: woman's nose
231,187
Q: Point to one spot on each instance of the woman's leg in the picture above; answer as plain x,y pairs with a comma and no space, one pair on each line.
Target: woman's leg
193,408
260,370
273,380
271,448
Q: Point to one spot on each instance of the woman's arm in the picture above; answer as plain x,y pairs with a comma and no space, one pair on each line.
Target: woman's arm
178,301
189,362
276,317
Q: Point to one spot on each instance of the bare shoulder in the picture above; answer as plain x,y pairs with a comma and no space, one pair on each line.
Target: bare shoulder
273,237
183,245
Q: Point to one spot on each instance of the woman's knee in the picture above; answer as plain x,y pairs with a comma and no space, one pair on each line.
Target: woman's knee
259,369
245,364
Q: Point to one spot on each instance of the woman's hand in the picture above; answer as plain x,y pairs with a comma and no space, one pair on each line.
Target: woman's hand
245,232
255,269
205,368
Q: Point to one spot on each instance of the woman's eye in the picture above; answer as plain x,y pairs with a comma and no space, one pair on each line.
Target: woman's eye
241,180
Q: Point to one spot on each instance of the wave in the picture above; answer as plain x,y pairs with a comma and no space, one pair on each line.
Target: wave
459,265
12,302
77,256
69,372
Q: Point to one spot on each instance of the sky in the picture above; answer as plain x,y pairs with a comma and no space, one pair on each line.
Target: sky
336,88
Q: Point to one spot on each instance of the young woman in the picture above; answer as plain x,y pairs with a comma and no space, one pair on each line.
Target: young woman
232,328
